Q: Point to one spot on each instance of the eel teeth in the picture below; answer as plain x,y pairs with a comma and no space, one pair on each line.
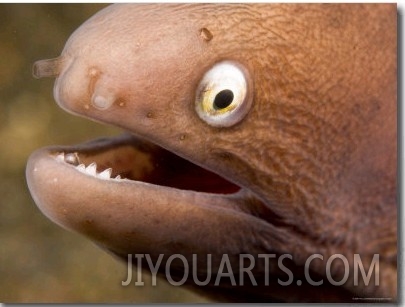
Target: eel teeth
106,174
72,158
81,168
91,169
61,157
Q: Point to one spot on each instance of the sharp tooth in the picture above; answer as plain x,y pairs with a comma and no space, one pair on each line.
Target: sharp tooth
81,168
91,169
118,177
61,157
72,158
106,174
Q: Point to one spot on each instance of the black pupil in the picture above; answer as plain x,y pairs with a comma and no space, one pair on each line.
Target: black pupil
223,99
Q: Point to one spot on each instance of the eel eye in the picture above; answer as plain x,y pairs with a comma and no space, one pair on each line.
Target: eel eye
223,95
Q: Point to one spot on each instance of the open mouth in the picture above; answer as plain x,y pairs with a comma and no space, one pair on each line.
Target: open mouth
126,193
127,172
126,158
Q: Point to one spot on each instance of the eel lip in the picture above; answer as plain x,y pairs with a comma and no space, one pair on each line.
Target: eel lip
78,188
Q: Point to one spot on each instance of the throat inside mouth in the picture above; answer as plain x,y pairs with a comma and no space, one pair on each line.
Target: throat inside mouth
128,158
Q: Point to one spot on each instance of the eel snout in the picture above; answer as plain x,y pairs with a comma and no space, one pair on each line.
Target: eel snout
48,67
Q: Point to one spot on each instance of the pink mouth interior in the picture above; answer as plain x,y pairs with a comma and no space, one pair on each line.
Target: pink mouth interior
141,161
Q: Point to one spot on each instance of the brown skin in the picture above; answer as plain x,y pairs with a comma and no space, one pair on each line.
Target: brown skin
315,157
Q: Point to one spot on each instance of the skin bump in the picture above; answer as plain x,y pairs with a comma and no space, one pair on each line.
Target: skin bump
206,34
102,103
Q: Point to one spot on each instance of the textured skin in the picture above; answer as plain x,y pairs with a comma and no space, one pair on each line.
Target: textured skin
318,161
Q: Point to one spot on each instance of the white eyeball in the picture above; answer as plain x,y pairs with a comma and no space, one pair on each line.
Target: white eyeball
224,95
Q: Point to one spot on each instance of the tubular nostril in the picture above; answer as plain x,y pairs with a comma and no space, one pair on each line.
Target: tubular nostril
47,68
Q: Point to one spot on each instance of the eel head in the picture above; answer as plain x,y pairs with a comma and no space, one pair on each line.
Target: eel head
212,161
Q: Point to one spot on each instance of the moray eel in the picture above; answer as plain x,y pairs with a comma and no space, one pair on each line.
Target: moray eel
252,129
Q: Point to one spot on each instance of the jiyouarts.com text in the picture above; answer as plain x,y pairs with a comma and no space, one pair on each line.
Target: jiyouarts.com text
242,271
